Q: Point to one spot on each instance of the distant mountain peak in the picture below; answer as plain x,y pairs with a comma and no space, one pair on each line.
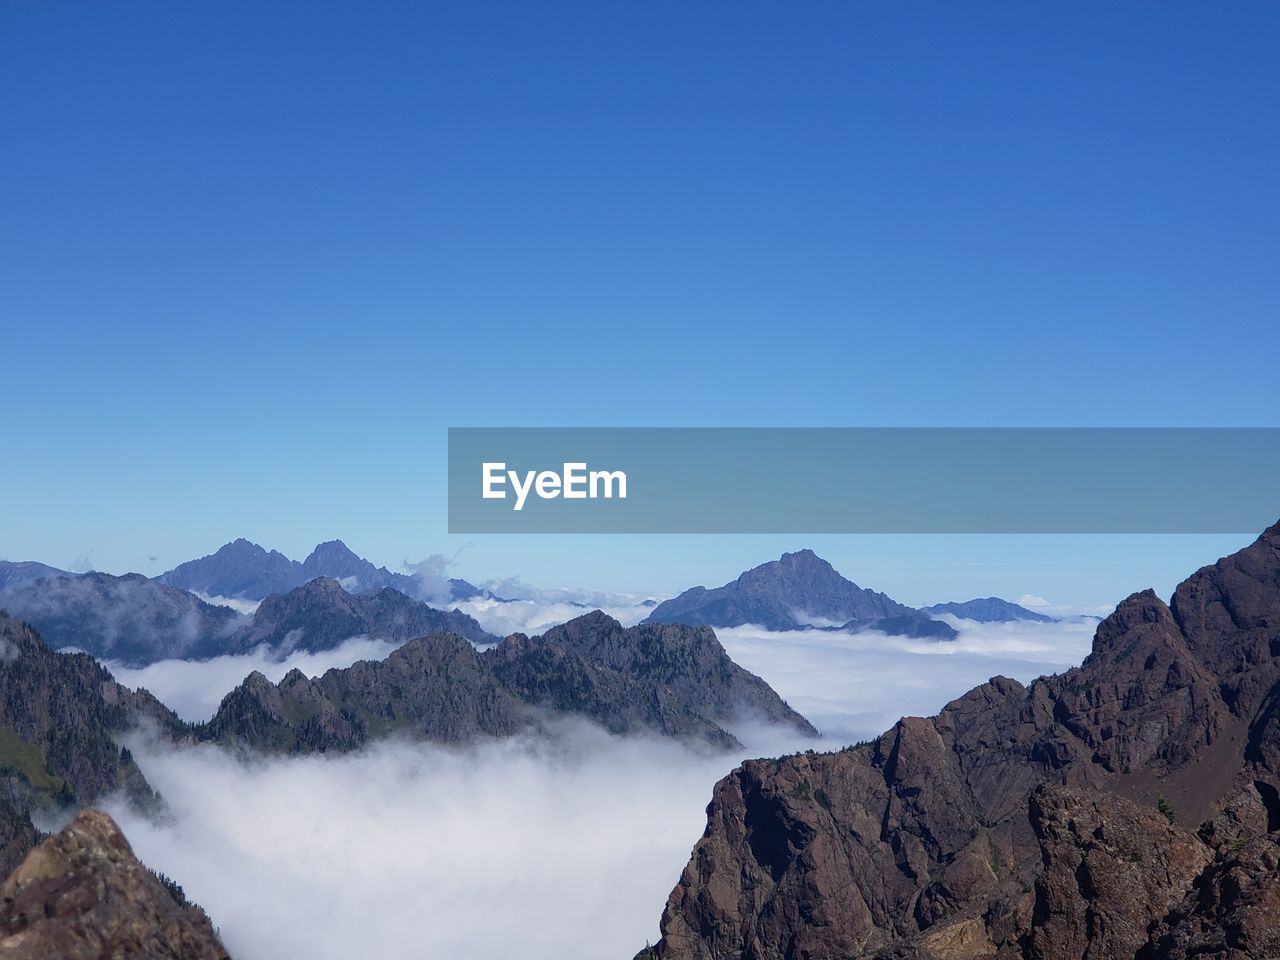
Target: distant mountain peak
793,592
987,610
333,549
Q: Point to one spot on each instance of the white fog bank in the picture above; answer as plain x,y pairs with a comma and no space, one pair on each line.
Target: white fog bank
855,686
519,848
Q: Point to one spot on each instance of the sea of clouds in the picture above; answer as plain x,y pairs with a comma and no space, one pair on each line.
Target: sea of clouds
558,848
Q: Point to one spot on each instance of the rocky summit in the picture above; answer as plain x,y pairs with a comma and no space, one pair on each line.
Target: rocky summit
1128,808
83,895
244,570
672,680
794,592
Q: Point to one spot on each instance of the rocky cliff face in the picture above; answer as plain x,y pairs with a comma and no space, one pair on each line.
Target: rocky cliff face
673,680
1125,809
82,895
59,718
792,592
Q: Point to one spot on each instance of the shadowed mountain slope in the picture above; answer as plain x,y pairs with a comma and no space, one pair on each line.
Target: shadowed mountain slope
320,615
129,619
60,715
1129,808
136,621
672,680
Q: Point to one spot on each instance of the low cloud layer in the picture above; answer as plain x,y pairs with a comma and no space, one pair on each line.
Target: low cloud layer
549,849
193,689
519,848
855,686
534,615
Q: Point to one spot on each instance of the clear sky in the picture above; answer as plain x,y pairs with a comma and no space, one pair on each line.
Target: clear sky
256,258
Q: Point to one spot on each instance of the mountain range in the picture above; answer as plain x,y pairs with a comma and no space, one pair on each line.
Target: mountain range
244,570
798,591
987,610
81,893
673,680
1128,808
334,594
134,621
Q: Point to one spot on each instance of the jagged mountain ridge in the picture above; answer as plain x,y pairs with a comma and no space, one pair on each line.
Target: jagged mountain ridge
244,570
674,680
790,594
1129,808
987,610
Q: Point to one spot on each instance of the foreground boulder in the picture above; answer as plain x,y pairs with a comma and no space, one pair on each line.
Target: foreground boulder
83,895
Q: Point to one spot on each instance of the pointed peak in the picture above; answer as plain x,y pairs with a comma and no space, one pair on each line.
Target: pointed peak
596,619
1138,609
320,585
804,557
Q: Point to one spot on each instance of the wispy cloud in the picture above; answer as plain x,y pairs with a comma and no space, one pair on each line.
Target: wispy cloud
536,613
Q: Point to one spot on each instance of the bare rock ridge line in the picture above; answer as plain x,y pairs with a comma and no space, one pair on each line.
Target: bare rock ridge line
793,592
672,680
83,895
1128,808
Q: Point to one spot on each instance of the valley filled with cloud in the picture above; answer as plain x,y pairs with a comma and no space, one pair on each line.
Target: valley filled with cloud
578,836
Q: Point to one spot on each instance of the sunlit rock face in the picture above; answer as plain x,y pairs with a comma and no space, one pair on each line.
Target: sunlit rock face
83,895
1128,807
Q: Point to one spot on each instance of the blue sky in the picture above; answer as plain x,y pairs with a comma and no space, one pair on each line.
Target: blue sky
254,263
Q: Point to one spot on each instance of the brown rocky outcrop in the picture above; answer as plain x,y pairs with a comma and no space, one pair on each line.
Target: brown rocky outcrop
83,895
1127,808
